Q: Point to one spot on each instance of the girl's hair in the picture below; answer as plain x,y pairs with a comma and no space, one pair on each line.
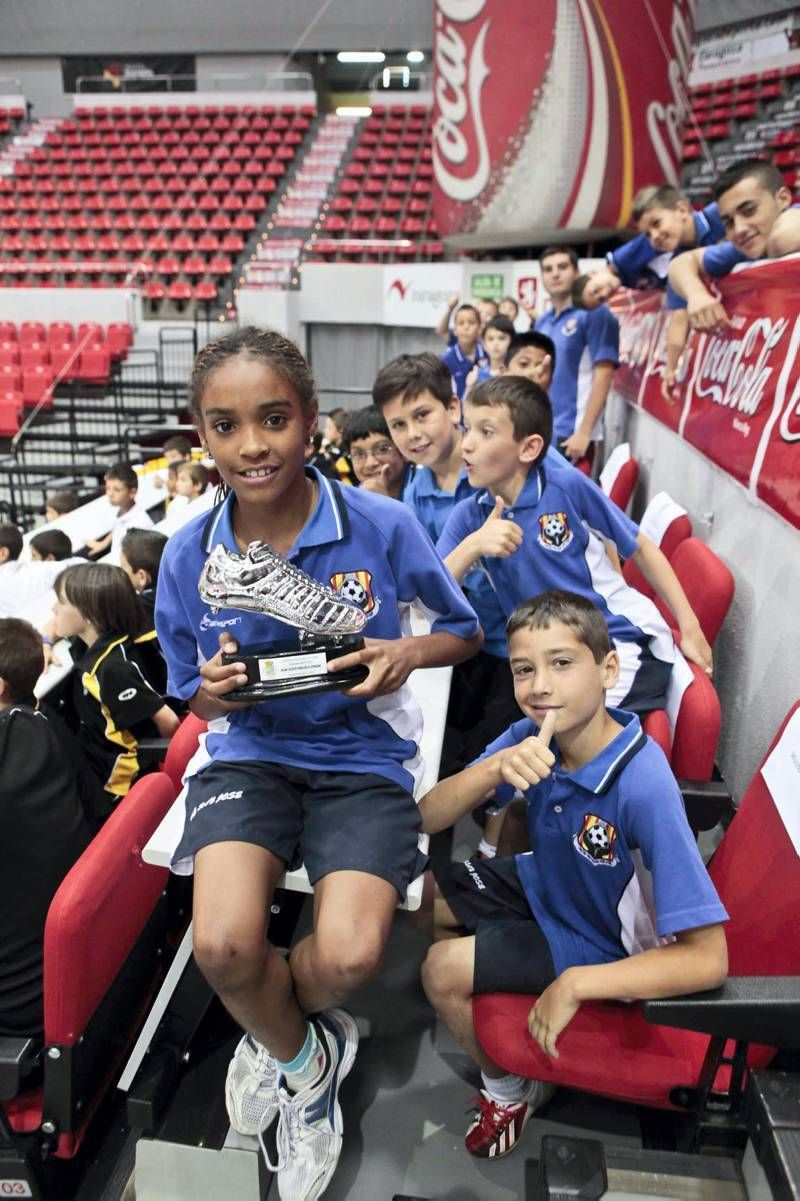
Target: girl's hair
269,347
196,472
103,595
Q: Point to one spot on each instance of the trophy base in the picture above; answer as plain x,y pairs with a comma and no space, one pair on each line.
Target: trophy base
284,669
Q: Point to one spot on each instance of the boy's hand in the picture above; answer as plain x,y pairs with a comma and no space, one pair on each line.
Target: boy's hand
704,312
377,482
575,446
219,679
498,538
670,388
554,1010
530,761
696,649
390,663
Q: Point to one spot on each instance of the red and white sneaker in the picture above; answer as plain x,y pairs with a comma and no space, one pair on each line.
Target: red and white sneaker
496,1128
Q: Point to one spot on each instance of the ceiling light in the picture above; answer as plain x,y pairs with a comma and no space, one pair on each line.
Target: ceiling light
361,56
415,56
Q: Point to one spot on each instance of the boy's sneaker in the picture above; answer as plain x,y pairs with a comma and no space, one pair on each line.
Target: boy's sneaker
496,1128
251,1088
309,1134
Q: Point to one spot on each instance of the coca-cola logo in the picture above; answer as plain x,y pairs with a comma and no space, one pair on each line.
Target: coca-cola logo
665,121
462,165
735,372
790,418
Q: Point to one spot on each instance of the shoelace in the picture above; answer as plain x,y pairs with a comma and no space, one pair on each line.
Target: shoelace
289,1124
492,1114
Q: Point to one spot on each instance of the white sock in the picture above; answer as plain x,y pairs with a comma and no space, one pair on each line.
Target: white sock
307,1066
507,1090
486,849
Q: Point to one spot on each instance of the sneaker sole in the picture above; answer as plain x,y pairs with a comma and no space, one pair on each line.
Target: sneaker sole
347,1021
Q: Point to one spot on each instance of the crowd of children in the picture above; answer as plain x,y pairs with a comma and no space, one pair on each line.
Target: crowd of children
464,488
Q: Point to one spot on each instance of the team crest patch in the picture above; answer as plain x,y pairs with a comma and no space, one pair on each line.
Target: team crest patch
356,587
554,531
569,327
595,840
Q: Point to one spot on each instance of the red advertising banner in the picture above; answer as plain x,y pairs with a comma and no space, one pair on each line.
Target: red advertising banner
538,108
740,399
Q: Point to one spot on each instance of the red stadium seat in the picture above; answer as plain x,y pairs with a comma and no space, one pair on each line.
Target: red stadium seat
104,916
707,582
37,383
756,871
95,365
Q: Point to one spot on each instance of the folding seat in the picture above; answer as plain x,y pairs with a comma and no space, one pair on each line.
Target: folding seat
243,223
132,244
341,204
32,331
366,205
37,383
769,91
230,244
95,365
60,331
194,266
219,265
231,203
358,226
205,292
9,354
10,377
425,171
179,293
169,266
158,243
333,225
64,362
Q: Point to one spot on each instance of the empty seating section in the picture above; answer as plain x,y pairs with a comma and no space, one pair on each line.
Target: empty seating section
381,209
164,196
35,359
755,114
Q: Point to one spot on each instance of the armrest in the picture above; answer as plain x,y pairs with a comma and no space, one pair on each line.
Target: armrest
707,802
759,1009
16,1056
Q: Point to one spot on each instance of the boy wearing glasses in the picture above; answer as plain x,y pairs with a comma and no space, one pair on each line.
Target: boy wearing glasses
377,463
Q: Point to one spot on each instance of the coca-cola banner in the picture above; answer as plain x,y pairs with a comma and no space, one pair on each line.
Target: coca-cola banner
538,108
739,400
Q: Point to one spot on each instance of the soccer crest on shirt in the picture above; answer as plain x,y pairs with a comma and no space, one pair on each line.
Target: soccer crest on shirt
595,840
356,587
554,531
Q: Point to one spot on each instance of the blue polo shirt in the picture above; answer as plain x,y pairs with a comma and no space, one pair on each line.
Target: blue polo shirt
350,534
565,519
615,868
459,365
433,506
639,265
582,338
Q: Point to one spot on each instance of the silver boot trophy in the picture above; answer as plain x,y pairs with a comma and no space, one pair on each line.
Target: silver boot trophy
260,581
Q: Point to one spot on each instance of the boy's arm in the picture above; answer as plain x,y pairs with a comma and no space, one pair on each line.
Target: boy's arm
656,568
519,764
704,312
443,324
696,961
677,333
95,545
576,445
785,236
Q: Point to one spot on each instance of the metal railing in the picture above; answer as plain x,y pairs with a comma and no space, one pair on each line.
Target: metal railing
222,81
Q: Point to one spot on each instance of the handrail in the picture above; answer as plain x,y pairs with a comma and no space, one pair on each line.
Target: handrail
288,81
48,392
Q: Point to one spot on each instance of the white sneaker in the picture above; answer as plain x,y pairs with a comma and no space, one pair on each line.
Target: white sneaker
309,1134
251,1087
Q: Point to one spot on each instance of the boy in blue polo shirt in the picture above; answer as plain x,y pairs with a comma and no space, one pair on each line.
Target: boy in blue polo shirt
467,350
613,903
587,352
758,220
415,395
549,532
325,779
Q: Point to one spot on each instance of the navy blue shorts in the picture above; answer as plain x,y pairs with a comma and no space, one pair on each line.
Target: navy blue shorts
511,951
329,822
